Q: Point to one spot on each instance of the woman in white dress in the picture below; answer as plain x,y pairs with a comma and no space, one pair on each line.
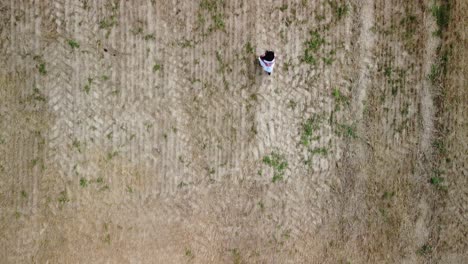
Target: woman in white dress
267,61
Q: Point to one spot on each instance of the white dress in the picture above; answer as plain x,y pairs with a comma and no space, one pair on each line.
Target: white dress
267,65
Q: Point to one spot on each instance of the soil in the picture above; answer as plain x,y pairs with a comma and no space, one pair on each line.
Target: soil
146,132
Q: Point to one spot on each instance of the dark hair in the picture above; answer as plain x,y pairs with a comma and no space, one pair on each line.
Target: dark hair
269,55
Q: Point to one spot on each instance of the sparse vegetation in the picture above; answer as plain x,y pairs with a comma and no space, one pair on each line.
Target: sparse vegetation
424,250
107,239
340,99
434,74
87,87
388,71
76,144
73,44
261,205
42,69
249,48
149,37
83,182
439,68
218,23
111,155
312,47
108,23
63,198
436,180
442,15
278,163
388,195
308,128
181,184
292,104
340,10
137,30
36,95
222,65
236,257
185,43
348,131
351,152
287,66
211,9
188,253
321,151
157,67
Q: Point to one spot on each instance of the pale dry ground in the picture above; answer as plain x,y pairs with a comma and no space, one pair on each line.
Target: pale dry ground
135,132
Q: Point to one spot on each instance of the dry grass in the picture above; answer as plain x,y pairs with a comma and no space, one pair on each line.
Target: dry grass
391,211
370,194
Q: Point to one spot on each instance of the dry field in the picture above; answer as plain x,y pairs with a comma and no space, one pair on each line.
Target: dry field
144,132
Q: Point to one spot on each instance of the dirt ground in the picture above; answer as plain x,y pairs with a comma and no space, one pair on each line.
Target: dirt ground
144,131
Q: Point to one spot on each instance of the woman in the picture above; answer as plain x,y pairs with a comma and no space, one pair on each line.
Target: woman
267,61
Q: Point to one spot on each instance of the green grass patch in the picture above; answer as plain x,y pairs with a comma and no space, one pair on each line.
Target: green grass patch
442,15
339,98
339,10
87,87
236,256
107,239
439,145
312,46
77,145
261,206
111,155
211,9
308,128
320,151
292,104
388,195
348,131
249,48
42,69
209,5
63,198
188,253
328,60
149,37
108,22
436,180
424,250
434,74
37,95
218,23
388,71
83,182
157,67
278,163
73,44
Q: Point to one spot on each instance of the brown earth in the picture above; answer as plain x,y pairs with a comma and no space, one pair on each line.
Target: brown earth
145,132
